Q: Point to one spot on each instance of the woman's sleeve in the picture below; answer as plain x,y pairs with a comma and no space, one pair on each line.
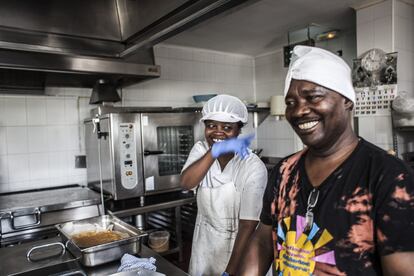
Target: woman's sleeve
196,153
252,193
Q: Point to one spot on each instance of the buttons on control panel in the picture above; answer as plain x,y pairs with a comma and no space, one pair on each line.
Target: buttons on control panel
128,156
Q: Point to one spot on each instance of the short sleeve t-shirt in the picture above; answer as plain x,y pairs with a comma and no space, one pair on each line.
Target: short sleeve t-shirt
365,210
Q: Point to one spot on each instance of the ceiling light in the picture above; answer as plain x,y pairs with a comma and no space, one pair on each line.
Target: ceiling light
327,35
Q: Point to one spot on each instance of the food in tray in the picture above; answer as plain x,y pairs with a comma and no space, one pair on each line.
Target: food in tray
92,238
86,235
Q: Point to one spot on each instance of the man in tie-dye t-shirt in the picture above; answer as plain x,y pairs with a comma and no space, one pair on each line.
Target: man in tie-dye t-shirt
341,206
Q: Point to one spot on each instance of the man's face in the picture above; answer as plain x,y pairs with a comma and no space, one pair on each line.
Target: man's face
317,114
217,131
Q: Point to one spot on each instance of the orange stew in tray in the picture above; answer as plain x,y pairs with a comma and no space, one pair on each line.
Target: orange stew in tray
92,238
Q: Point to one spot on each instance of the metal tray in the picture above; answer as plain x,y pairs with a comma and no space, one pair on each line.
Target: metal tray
107,252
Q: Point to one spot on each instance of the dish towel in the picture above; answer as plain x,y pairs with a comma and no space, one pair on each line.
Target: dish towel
130,263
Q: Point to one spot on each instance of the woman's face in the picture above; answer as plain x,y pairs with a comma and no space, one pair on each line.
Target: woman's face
317,114
216,131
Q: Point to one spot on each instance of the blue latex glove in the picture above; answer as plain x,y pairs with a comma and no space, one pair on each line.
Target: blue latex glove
233,145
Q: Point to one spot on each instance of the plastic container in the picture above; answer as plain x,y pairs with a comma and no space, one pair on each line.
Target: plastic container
159,241
203,98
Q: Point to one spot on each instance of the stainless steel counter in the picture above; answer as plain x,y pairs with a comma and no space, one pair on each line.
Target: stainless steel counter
152,207
14,262
31,215
49,200
153,203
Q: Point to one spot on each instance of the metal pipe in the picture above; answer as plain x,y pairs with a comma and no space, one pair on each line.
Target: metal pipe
100,178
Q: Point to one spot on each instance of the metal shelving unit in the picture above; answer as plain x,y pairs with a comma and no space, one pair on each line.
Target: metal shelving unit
397,131
169,215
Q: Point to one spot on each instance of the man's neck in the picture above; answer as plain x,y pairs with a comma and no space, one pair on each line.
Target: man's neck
320,164
339,150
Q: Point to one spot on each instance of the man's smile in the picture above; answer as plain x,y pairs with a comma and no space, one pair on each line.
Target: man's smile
307,125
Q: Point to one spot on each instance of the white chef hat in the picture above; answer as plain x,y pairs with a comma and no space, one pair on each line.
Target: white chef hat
321,67
225,108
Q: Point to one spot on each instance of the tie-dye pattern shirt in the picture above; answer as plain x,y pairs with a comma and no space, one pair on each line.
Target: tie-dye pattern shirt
365,210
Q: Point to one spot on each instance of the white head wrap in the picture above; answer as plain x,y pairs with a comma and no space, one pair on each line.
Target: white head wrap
225,108
321,67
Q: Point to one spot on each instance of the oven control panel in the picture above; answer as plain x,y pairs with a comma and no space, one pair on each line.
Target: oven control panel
128,155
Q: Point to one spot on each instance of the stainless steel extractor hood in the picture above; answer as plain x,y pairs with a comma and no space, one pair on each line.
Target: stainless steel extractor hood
75,43
25,72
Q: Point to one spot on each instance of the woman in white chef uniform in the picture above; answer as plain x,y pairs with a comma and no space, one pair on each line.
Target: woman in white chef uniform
230,183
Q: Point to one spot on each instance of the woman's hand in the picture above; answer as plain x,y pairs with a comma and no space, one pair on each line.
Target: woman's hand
233,145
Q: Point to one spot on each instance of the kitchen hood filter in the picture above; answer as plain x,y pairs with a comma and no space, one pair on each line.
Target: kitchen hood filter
104,91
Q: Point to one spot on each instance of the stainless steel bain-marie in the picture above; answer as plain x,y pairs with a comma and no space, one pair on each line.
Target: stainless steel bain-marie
141,150
32,215
103,253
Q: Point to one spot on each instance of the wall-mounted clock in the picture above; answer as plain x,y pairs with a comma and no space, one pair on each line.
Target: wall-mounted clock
373,60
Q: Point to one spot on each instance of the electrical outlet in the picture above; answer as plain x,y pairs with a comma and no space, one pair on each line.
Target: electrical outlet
80,161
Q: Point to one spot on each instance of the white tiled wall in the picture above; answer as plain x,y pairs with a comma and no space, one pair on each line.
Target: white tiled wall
374,30
404,45
389,26
270,75
39,138
374,27
276,138
187,71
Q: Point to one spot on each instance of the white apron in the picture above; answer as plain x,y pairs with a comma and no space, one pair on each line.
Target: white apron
216,228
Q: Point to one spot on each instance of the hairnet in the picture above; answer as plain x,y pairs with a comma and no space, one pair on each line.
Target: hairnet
321,67
225,108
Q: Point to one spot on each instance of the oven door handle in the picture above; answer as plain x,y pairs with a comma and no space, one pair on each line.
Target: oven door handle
153,152
14,215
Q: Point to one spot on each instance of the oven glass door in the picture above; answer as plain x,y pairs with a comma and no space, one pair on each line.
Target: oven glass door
168,139
175,142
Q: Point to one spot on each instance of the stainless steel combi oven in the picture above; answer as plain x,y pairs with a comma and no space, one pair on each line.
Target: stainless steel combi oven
139,151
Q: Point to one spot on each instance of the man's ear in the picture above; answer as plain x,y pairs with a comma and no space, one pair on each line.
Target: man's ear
349,104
